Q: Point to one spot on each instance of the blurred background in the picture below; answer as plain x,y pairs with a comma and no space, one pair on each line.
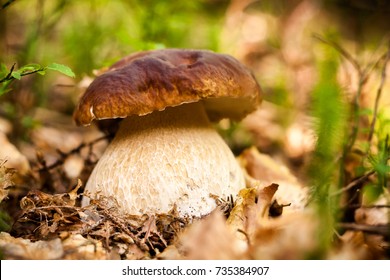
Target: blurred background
321,64
287,44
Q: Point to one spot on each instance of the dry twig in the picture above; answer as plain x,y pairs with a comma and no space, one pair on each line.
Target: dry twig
372,229
354,183
378,95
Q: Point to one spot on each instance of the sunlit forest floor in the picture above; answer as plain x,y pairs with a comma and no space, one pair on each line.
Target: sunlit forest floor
315,154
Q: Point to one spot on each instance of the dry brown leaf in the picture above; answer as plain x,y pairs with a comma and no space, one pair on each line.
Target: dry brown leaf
49,138
5,126
13,158
266,170
206,239
266,118
77,247
375,216
133,252
5,180
126,248
149,229
73,166
19,248
47,216
104,233
170,253
251,209
299,140
351,246
291,236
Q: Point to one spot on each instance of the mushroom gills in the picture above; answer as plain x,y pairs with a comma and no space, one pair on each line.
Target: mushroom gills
167,159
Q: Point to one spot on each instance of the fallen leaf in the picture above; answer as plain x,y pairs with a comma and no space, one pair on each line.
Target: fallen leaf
77,247
207,239
351,246
5,126
19,248
266,170
251,209
73,166
12,157
291,236
375,215
5,180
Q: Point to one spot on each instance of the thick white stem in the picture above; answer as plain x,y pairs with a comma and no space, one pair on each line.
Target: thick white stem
172,158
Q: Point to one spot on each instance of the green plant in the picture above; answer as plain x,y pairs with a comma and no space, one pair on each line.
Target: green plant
7,76
344,139
329,109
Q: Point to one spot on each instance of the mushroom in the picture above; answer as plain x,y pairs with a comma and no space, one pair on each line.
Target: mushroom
166,154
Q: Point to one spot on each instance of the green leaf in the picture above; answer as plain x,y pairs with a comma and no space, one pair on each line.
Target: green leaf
62,69
30,67
42,71
16,75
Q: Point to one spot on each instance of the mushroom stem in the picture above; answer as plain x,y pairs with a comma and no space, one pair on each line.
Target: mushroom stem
172,158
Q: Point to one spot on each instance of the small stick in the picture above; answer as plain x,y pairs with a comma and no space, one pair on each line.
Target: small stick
76,150
382,229
378,95
342,51
357,206
354,183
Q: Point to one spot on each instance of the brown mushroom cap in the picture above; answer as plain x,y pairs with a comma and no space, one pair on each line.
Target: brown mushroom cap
153,80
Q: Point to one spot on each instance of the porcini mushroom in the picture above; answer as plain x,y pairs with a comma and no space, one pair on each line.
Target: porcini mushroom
166,153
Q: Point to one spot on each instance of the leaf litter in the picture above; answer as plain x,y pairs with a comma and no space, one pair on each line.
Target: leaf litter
267,220
46,217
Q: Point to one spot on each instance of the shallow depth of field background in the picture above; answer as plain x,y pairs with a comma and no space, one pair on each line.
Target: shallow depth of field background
321,64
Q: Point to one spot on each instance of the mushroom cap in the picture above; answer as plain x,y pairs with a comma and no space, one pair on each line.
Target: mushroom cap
153,80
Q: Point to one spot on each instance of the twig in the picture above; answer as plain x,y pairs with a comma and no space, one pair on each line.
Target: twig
362,74
50,207
246,236
354,183
6,4
342,51
382,229
107,214
357,206
378,95
8,77
355,112
76,150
